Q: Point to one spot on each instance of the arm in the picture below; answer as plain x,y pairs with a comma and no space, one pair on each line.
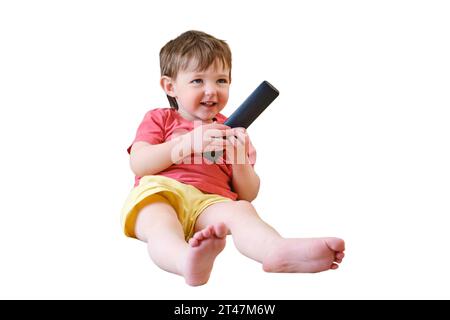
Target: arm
148,159
245,181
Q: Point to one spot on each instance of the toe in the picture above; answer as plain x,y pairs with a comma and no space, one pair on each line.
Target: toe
335,244
220,230
199,236
206,232
193,242
334,266
340,256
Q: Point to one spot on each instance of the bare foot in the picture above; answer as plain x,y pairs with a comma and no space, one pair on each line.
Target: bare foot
305,255
205,245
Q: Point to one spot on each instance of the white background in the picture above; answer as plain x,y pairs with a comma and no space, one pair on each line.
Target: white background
356,145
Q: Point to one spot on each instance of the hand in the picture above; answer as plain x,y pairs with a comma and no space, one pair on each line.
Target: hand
238,146
208,137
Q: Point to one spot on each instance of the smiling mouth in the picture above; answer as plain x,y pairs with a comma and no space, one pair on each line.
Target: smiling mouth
208,103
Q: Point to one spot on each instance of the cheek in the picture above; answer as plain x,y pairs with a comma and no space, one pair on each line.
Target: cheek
224,95
189,96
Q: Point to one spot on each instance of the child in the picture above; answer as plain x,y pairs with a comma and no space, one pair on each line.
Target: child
184,203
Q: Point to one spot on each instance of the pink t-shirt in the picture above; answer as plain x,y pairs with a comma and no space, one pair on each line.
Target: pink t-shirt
159,125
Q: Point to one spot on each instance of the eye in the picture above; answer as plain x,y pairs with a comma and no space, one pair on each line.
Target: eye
222,81
197,81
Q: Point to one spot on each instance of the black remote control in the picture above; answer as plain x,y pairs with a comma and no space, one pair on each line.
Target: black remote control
253,106
248,111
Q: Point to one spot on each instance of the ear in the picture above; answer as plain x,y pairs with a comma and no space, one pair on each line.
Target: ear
168,86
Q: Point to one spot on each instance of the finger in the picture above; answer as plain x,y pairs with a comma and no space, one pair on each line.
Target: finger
229,132
213,148
241,136
238,137
241,129
217,141
233,141
215,125
213,133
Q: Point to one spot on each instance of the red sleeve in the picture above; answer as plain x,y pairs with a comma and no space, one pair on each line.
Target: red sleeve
151,129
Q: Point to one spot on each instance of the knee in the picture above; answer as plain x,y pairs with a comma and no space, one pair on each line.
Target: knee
240,214
244,205
244,208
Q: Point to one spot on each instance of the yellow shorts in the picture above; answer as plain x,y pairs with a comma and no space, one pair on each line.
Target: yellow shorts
187,201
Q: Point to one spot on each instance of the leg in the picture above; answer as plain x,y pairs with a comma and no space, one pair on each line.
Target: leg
259,241
251,235
158,225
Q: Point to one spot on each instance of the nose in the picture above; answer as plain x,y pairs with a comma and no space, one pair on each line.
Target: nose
210,89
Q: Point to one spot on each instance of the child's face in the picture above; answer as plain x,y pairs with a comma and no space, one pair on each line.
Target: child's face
201,95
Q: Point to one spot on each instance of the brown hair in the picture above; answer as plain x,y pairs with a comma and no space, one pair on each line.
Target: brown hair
192,46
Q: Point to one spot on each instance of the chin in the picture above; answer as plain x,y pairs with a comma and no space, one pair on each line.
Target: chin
208,116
